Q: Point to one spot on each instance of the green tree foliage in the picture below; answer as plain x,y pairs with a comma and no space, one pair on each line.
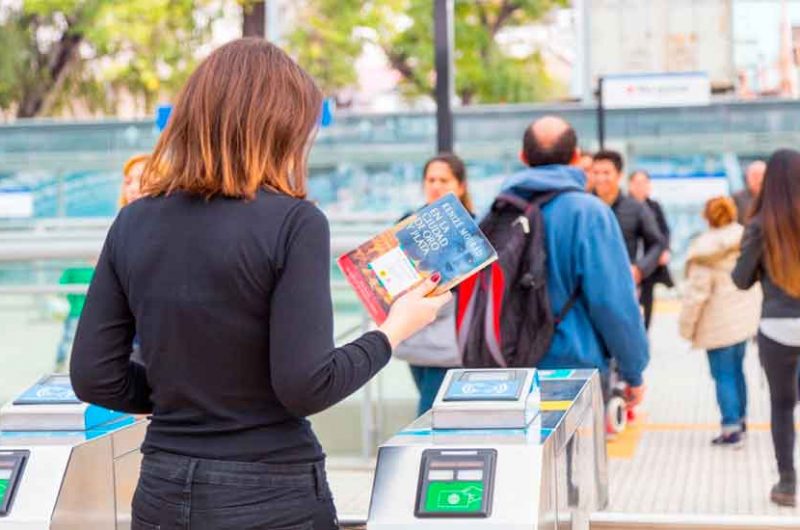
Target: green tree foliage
327,42
54,53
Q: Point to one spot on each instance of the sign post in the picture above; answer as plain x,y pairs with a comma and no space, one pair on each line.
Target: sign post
443,37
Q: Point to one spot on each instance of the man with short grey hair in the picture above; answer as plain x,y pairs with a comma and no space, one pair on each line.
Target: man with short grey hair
754,178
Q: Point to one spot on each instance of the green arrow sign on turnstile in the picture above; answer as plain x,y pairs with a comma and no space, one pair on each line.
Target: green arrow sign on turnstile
454,497
3,489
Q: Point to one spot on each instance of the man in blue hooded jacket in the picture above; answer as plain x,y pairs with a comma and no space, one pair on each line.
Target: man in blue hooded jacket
586,254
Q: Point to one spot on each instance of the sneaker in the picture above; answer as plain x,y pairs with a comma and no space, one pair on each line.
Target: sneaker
733,439
784,494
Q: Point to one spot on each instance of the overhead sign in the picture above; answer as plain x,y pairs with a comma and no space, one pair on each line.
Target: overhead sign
656,90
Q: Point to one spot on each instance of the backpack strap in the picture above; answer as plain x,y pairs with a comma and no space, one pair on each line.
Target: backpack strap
573,299
465,309
508,198
538,199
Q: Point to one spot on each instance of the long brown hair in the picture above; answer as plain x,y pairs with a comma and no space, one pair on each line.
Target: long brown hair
778,205
459,171
243,121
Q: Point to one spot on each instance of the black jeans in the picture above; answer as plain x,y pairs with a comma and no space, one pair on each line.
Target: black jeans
780,363
182,493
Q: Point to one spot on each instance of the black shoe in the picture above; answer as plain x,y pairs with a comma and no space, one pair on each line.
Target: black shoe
784,494
733,439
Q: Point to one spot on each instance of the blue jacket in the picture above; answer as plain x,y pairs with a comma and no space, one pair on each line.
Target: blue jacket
585,249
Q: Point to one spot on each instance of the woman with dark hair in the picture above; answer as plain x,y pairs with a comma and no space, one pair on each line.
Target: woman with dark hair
222,269
771,255
433,350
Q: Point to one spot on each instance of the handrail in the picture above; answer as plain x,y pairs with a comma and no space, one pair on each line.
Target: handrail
88,248
66,223
58,289
658,521
638,521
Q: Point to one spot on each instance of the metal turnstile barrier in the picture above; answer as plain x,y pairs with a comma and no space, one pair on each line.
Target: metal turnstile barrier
66,465
509,448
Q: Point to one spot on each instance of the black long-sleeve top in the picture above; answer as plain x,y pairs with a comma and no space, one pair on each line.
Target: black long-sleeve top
750,268
638,224
231,302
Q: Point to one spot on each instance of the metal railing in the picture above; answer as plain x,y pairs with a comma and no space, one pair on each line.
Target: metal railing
82,239
651,521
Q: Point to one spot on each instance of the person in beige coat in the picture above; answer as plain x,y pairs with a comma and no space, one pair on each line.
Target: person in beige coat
719,318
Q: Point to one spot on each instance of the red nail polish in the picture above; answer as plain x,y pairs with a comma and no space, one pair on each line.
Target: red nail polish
436,277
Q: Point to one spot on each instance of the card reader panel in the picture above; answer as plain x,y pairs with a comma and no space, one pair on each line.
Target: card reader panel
12,465
486,385
456,483
53,389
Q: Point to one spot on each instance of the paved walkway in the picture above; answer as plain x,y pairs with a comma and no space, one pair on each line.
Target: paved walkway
664,464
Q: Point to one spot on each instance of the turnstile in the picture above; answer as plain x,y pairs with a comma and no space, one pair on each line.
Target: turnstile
66,465
508,448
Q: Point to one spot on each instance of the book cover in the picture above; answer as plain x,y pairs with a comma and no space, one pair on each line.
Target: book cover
441,237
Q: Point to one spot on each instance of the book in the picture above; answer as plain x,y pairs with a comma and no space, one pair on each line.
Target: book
442,237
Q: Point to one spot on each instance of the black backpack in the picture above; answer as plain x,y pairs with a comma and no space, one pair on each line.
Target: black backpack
504,318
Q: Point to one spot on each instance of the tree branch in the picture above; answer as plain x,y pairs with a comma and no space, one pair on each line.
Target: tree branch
484,20
508,8
38,100
399,61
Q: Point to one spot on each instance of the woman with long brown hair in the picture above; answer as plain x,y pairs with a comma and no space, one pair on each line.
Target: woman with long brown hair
222,269
771,255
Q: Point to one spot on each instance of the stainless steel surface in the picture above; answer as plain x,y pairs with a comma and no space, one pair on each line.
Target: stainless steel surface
394,491
126,475
548,509
38,489
73,479
486,414
86,500
542,480
71,483
128,440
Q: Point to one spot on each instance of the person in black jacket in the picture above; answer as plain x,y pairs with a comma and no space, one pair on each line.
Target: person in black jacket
222,270
771,255
640,188
643,239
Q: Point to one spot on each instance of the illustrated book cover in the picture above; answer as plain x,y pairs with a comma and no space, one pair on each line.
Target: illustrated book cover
442,237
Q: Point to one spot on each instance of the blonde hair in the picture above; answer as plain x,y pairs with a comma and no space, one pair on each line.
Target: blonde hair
132,162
